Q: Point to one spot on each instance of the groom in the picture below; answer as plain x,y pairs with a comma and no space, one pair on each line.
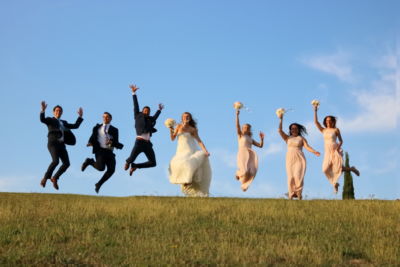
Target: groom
59,135
144,124
104,139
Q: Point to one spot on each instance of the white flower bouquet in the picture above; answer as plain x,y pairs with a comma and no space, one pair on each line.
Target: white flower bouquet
170,123
238,105
280,111
315,103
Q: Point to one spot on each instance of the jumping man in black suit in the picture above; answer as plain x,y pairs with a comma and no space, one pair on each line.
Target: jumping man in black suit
59,135
104,139
144,124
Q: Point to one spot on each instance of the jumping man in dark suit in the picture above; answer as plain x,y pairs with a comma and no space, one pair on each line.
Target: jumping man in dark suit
104,139
59,135
144,125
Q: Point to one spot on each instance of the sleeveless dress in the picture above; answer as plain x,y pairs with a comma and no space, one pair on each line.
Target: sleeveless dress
247,162
190,167
295,166
333,161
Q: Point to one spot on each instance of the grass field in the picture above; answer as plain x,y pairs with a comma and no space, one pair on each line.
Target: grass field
71,229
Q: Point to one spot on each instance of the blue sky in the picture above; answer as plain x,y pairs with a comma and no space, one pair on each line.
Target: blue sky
201,56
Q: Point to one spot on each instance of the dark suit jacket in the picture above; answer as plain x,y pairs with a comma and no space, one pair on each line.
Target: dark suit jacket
112,131
55,133
144,124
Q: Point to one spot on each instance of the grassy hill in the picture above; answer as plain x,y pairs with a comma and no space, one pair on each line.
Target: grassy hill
71,229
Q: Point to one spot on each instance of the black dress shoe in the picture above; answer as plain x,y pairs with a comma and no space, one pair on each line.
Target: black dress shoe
126,166
85,164
132,170
43,182
55,184
97,188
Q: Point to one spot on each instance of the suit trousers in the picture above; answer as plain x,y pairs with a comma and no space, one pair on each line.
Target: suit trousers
57,151
147,148
104,158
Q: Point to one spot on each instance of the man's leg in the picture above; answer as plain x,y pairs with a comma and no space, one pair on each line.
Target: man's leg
63,154
136,150
151,157
54,162
101,161
110,163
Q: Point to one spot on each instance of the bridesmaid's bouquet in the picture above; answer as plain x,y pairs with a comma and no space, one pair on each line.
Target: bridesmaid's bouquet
315,103
238,105
280,111
170,123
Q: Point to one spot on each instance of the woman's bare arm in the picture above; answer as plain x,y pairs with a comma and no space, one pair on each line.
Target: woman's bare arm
261,144
309,148
320,128
239,131
340,139
201,144
280,131
174,133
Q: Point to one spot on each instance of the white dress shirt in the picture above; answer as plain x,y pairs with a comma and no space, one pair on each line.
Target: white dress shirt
103,137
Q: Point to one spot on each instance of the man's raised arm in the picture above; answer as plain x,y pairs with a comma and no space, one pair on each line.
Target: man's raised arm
135,100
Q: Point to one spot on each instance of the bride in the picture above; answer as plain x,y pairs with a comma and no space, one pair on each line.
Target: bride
190,166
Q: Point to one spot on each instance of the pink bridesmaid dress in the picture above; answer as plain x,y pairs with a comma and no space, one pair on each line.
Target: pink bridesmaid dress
247,162
295,166
333,161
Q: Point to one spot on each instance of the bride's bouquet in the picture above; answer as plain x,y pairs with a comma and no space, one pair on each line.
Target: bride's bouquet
170,123
238,105
315,103
280,112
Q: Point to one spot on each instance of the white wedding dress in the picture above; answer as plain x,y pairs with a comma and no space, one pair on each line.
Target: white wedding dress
190,167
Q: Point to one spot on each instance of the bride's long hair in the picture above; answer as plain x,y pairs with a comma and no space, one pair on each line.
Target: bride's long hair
191,122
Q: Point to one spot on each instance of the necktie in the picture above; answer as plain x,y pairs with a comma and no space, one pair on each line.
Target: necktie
62,129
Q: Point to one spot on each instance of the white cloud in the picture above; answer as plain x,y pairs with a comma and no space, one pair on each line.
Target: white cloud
271,149
226,156
335,64
21,183
380,107
379,101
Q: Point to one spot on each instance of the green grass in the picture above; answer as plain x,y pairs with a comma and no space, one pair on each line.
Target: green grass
39,229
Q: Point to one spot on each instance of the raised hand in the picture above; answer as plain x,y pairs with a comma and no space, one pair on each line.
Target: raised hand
160,106
262,135
317,153
315,108
80,112
134,88
44,105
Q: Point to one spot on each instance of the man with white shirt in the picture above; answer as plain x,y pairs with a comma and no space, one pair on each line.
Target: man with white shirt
144,125
58,136
104,139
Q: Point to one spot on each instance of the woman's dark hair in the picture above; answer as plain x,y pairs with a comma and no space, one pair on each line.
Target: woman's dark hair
191,122
333,118
108,113
250,132
58,106
302,129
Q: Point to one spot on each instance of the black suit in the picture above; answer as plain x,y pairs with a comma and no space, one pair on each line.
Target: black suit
143,124
104,156
57,138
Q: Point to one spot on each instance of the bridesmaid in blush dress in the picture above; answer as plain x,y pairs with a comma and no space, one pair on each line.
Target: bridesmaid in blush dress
333,155
295,160
247,160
